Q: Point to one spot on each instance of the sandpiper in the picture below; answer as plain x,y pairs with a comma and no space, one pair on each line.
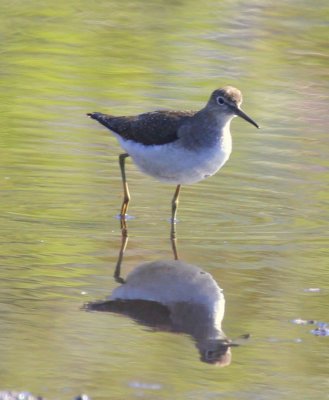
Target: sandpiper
179,147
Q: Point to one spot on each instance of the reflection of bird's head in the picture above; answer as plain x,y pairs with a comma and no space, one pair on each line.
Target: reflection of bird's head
217,352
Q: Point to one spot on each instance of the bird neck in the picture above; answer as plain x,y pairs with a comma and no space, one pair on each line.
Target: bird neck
219,121
207,129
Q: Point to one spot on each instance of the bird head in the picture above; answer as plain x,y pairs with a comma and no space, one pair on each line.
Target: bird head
227,102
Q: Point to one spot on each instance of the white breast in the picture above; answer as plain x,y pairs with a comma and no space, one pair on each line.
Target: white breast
172,163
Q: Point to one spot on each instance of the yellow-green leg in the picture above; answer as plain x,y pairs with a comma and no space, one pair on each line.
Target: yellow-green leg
126,194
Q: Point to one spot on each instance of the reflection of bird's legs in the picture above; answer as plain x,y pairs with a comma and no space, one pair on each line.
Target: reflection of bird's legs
174,247
124,241
174,206
126,194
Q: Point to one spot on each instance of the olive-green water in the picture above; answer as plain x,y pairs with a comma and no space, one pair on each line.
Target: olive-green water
259,227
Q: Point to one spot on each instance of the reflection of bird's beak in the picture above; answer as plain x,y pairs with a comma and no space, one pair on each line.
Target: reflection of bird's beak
243,115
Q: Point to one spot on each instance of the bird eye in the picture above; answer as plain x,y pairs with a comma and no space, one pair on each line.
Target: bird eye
220,100
210,354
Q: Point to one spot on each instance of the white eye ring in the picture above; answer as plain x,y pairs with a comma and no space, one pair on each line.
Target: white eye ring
220,100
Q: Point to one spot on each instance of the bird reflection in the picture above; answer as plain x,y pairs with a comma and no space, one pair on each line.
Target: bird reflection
177,297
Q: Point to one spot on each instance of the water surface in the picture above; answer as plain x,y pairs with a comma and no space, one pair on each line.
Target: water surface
259,227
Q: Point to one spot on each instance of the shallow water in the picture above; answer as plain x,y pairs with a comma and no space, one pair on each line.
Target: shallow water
259,227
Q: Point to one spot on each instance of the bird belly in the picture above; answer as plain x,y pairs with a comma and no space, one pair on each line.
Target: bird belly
172,163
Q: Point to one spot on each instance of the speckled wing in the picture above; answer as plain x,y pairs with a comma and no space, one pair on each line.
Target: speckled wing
158,127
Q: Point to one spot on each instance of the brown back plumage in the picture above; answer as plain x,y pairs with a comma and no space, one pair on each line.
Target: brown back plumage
158,127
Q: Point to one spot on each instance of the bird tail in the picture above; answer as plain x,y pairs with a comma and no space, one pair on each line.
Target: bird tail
95,115
103,119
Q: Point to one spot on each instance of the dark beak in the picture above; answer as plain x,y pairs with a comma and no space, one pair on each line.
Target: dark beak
243,115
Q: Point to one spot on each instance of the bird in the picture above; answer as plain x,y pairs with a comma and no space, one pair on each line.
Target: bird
177,147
